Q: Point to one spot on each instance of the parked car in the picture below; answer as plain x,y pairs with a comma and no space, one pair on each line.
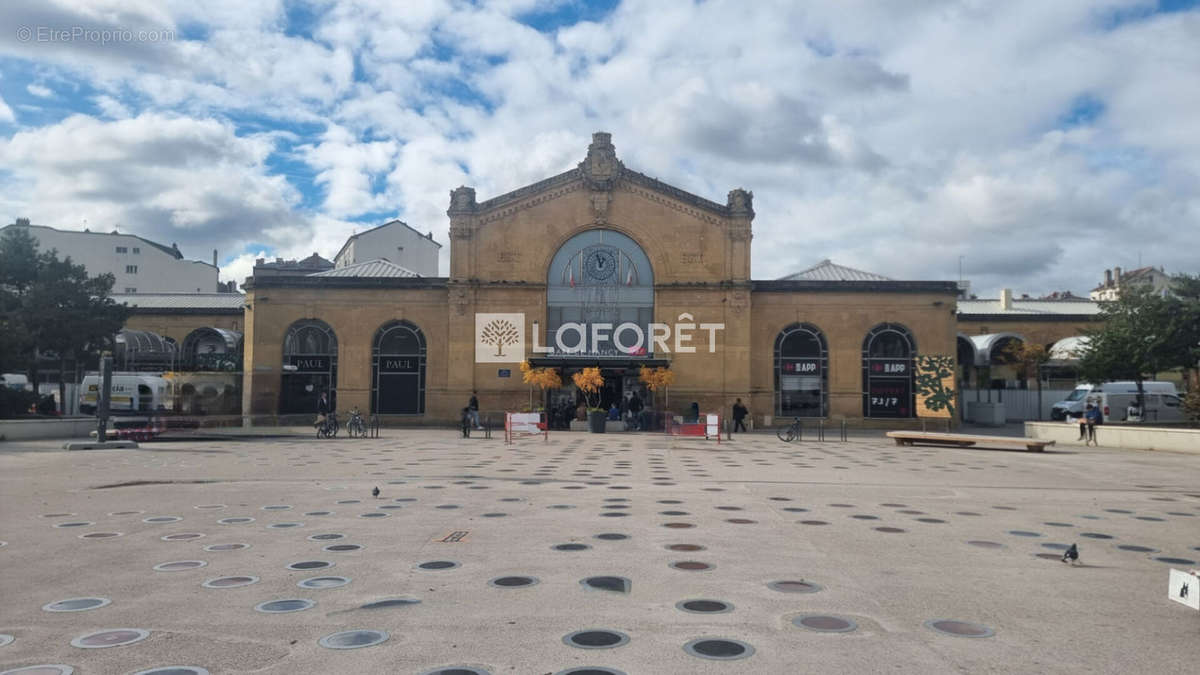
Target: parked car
1073,405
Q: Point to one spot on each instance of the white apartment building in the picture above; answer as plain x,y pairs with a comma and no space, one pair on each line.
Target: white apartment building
139,265
396,242
1157,281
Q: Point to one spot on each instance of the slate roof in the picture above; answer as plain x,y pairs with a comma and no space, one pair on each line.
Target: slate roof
371,268
182,303
827,270
1019,307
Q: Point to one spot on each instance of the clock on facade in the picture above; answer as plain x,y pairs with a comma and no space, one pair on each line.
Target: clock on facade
600,265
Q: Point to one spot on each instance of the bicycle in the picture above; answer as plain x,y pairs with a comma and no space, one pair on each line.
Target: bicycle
328,428
790,433
355,426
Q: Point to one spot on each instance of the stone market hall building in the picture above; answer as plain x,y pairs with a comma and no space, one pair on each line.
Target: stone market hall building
598,244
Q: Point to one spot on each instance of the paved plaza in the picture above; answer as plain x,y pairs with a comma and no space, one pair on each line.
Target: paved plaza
618,553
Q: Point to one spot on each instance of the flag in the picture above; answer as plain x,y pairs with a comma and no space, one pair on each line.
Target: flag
629,277
572,279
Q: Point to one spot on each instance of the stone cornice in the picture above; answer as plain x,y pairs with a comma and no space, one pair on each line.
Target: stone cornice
415,283
994,318
628,180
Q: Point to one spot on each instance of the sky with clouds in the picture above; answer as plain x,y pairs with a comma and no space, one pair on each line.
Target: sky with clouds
1037,142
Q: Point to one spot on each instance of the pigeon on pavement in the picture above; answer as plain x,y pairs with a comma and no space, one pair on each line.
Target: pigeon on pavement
1071,555
375,492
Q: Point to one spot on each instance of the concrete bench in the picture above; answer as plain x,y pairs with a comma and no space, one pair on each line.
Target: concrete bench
965,440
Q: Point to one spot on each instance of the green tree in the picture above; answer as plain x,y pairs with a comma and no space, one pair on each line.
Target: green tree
51,306
1135,340
1184,351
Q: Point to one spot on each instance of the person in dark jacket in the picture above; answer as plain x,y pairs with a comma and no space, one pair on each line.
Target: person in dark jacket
1093,417
739,415
693,413
322,409
473,406
635,412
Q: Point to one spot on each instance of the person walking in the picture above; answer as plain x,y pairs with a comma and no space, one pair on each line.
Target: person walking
473,406
739,416
1093,417
322,409
635,412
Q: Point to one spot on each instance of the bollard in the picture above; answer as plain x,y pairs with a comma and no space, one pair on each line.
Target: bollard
843,429
102,402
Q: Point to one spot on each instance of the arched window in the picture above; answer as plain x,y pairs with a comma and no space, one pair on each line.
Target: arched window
801,372
310,353
600,276
398,370
209,348
887,356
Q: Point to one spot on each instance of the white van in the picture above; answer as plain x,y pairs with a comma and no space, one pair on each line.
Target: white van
130,392
1073,405
1155,407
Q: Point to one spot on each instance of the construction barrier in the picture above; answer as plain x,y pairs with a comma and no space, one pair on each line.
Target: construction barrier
520,425
707,427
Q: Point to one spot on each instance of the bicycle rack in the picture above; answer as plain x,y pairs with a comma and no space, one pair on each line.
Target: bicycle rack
373,427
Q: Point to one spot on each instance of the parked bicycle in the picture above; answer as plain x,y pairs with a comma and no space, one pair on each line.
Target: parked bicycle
356,427
328,428
790,433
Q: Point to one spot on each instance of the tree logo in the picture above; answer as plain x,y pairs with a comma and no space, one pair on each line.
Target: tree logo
499,338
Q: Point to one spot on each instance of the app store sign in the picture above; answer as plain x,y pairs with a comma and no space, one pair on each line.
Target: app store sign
801,366
890,367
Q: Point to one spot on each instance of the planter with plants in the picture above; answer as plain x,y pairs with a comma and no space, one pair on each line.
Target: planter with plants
589,381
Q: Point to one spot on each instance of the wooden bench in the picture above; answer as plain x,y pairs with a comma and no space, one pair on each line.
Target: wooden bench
964,440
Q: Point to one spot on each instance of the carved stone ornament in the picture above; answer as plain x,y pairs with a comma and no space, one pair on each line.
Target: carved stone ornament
458,298
601,168
600,202
741,202
462,201
740,301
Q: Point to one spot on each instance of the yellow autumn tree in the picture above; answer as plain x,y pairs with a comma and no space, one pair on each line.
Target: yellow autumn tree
542,378
658,378
589,381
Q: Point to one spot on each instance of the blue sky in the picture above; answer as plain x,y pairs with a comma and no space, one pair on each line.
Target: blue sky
1042,142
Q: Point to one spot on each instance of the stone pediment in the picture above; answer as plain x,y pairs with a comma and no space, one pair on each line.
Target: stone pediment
599,172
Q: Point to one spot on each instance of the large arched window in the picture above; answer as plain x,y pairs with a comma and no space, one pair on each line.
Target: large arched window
801,372
310,353
398,370
887,356
209,348
599,276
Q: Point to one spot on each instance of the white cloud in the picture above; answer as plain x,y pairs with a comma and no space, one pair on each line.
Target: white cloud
6,113
894,137
39,90
346,168
111,107
168,178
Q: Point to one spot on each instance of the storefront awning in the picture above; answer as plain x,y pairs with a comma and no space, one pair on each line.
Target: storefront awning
592,362
986,344
1066,352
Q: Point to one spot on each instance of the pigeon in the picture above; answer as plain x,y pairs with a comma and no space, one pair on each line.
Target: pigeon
375,492
1071,555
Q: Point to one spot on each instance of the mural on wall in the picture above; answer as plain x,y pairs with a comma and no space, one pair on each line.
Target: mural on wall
935,384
